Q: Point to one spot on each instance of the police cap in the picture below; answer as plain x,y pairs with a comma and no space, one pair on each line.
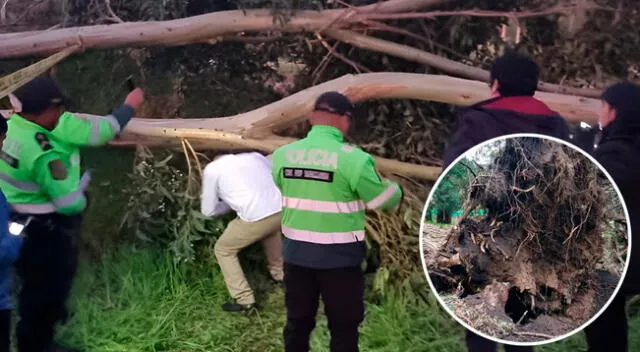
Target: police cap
39,94
334,103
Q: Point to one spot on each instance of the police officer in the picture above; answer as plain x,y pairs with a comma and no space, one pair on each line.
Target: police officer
40,176
326,187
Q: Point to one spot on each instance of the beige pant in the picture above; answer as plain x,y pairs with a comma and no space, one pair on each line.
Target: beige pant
240,234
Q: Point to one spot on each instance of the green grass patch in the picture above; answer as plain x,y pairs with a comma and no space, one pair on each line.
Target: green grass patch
139,300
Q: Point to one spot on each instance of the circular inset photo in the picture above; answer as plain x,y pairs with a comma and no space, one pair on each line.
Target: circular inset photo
525,239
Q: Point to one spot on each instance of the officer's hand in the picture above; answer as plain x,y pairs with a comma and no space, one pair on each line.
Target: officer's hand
135,98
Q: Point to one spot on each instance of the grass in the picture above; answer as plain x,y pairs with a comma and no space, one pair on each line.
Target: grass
138,300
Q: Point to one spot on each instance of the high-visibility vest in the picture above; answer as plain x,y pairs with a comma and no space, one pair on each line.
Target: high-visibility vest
326,187
39,174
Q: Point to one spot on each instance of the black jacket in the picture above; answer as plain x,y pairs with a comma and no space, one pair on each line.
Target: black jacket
619,153
502,116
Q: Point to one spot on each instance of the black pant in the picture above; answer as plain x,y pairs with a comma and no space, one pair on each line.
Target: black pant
342,292
46,267
609,332
477,343
5,330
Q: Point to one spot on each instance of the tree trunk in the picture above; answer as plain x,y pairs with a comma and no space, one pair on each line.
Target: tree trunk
444,217
187,30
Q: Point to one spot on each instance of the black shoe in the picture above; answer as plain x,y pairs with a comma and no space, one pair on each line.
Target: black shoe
236,307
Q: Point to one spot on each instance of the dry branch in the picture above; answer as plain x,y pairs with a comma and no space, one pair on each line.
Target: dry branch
556,10
15,80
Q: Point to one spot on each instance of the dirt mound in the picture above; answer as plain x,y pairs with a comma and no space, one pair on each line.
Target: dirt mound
537,251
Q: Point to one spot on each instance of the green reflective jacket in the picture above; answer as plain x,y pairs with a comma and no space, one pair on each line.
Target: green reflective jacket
39,173
86,130
326,187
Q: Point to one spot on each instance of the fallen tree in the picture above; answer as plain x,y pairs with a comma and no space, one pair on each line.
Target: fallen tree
256,129
215,27
385,85
195,29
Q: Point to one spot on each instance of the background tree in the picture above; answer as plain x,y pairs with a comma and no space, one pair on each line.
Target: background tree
452,191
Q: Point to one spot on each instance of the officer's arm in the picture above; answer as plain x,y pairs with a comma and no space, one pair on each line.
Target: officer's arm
210,202
52,175
92,130
375,192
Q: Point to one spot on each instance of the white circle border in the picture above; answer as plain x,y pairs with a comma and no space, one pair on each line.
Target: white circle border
461,321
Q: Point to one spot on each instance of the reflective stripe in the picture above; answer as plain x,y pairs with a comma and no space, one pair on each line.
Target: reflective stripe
323,237
323,206
383,197
94,137
68,200
21,185
43,208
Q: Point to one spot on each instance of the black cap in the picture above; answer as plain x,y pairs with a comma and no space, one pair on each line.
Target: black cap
516,74
39,94
335,103
623,97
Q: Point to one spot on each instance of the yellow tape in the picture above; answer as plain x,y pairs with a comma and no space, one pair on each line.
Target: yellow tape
19,78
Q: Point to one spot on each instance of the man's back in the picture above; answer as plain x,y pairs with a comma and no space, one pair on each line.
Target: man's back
326,187
244,182
502,116
619,154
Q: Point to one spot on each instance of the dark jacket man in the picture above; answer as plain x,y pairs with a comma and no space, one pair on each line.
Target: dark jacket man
501,116
619,153
512,109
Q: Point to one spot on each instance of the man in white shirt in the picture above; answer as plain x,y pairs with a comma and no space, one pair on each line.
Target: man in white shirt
243,183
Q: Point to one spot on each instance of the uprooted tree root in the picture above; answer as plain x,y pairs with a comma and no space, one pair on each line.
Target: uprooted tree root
538,250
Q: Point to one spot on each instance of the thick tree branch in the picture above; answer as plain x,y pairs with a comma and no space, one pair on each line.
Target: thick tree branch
183,31
441,63
231,141
556,10
370,86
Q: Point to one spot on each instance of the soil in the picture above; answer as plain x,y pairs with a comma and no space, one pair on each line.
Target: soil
485,312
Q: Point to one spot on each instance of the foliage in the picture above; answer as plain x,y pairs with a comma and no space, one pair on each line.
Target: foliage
452,189
164,206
